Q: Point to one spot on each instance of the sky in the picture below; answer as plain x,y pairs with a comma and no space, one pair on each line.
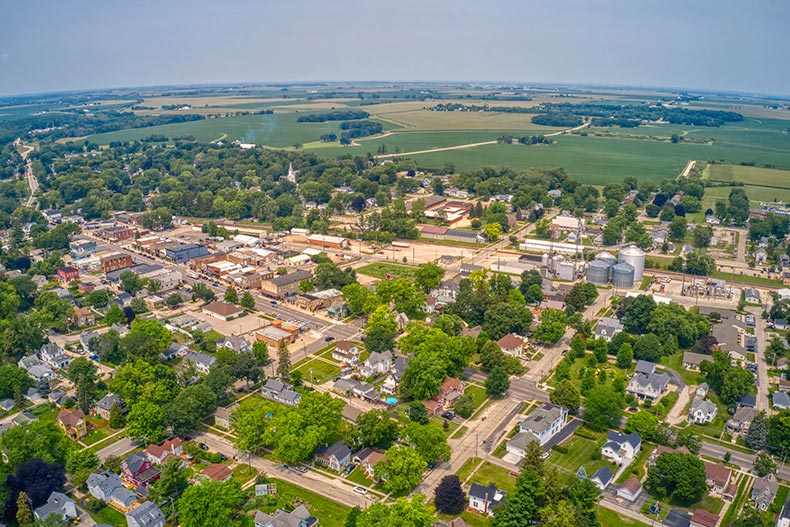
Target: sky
714,45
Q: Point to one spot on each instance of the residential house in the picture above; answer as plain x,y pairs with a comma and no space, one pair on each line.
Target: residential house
60,505
351,414
747,401
541,425
764,491
73,423
621,448
217,472
281,392
148,514
607,328
138,470
751,296
158,454
58,397
602,477
780,400
108,487
54,355
651,386
677,518
511,344
741,420
85,340
376,364
702,390
222,416
335,456
299,517
630,489
702,411
701,518
717,476
692,361
451,390
485,499
369,464
104,405
7,405
201,361
235,343
346,352
67,274
82,316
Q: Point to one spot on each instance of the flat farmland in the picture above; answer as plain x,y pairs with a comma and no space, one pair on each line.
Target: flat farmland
277,130
752,176
462,121
756,195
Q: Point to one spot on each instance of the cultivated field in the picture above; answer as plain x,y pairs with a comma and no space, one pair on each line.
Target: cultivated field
754,176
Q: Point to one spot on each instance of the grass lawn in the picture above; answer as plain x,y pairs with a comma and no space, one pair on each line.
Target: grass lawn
213,335
321,371
489,473
359,477
580,452
637,467
109,515
439,421
460,432
47,412
746,279
610,518
675,362
467,468
329,513
244,473
98,434
478,395
382,269
471,518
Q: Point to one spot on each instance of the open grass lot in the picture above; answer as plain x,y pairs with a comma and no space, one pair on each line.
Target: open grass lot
321,371
277,130
109,515
580,453
467,468
756,195
489,473
610,518
431,120
382,269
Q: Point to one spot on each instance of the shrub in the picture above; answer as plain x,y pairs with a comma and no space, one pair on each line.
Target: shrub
561,449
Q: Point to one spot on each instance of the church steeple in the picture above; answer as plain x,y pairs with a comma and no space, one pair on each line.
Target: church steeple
291,174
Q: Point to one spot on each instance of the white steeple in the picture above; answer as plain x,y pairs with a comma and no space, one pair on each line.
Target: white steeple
291,174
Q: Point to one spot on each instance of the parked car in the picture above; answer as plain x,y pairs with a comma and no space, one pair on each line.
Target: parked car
349,469
329,338
203,446
300,468
273,303
360,490
449,414
223,457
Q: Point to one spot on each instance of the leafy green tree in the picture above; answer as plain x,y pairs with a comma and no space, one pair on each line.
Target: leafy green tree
203,293
247,301
210,504
690,440
14,381
80,464
428,276
171,483
729,382
283,360
429,441
173,300
497,382
146,422
82,373
565,394
521,508
464,406
131,282
678,476
115,315
492,231
757,436
401,469
625,356
417,412
377,428
189,408
231,296
503,318
381,330
24,512
764,465
643,423
603,407
638,313
647,347
117,419
359,299
403,513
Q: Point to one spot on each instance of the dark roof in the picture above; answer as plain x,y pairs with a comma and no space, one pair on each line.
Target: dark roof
677,518
296,276
339,450
748,400
604,475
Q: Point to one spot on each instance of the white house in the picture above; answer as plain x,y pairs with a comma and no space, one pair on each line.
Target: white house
376,364
148,514
702,411
607,328
651,386
201,361
346,351
485,499
541,425
621,448
630,489
602,477
511,344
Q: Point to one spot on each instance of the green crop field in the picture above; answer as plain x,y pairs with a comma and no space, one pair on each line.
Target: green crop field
277,130
753,176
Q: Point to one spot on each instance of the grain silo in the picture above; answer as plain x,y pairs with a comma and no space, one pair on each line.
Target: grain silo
598,272
635,257
623,275
606,257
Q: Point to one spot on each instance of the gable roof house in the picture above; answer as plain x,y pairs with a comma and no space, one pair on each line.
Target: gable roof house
607,328
692,361
148,514
236,343
109,488
104,405
741,420
630,489
602,477
451,390
702,518
299,517
54,355
376,364
346,351
281,392
540,425
764,491
784,516
511,344
717,476
159,453
620,448
60,505
485,499
217,472
651,386
222,416
702,411
335,456
201,361
137,470
73,422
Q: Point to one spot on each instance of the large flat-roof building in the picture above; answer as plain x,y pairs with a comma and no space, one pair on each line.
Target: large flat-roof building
184,252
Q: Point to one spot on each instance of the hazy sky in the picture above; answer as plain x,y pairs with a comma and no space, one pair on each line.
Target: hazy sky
704,44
